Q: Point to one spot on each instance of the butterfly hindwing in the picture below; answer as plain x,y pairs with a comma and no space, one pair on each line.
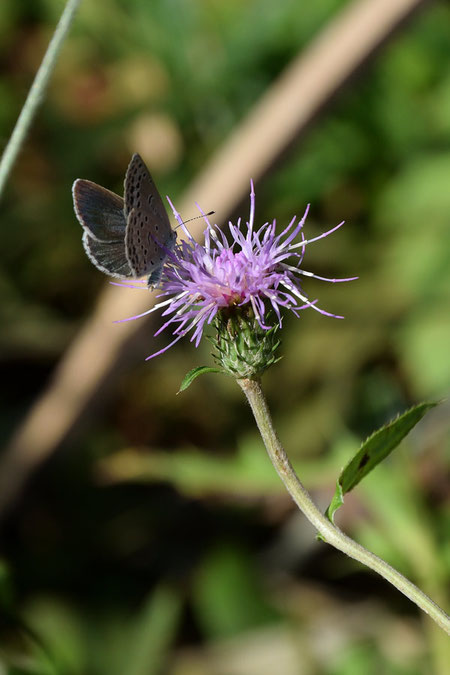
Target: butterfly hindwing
99,211
108,257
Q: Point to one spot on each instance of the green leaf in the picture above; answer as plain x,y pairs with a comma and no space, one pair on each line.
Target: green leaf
154,632
246,473
336,502
194,373
228,595
378,446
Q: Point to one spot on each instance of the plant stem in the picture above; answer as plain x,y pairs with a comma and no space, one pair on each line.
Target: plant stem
36,92
330,532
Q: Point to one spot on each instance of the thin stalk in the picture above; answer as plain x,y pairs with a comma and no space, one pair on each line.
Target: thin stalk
330,532
36,93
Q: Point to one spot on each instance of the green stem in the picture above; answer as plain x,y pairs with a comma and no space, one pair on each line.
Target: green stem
330,533
36,92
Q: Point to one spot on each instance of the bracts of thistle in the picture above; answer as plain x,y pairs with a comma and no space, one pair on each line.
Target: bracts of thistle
240,284
243,349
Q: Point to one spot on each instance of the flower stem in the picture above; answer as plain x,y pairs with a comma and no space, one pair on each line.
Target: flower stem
330,532
36,92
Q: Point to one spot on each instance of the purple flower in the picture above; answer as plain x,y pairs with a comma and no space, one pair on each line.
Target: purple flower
256,268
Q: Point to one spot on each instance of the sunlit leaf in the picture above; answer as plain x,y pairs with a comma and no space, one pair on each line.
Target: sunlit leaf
376,448
194,373
154,632
247,472
228,594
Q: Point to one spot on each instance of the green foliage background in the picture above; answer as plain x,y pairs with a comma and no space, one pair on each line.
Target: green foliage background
159,539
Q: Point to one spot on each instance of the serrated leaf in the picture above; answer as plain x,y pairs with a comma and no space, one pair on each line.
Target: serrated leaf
374,449
194,373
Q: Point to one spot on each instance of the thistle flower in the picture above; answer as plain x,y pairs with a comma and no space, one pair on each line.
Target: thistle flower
251,276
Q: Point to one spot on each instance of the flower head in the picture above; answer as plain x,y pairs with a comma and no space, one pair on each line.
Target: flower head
251,271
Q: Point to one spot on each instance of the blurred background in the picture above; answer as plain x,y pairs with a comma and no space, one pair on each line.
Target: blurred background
154,536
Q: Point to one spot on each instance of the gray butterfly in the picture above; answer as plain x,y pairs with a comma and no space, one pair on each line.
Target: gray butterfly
125,238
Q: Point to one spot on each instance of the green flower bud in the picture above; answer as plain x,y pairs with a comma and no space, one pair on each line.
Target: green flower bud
243,348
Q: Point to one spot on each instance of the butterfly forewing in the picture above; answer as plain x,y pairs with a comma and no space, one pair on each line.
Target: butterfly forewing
99,211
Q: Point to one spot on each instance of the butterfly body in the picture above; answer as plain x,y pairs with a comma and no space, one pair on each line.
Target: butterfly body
125,238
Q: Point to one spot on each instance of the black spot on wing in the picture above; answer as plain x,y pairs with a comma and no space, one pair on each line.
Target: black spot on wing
138,247
140,192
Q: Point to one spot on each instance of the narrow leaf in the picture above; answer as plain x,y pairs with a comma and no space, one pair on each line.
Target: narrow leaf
336,502
374,449
154,631
195,372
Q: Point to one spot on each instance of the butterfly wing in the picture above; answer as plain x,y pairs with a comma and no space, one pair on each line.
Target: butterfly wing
99,211
140,192
107,256
149,234
145,252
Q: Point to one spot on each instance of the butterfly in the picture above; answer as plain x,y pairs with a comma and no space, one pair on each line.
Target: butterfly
129,237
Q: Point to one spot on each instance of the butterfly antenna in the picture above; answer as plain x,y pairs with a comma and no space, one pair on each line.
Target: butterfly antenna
205,215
